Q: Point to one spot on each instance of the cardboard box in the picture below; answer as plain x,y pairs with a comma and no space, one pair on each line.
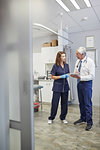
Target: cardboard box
47,44
54,42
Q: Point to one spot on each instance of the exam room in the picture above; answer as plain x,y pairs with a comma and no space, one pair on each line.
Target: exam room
57,29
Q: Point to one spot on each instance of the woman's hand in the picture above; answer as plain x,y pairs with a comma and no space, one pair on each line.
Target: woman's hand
64,76
67,75
60,77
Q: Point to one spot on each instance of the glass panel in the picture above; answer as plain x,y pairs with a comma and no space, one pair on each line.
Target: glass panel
15,135
19,41
14,101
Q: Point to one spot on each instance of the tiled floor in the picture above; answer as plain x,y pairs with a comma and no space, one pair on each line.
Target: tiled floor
59,136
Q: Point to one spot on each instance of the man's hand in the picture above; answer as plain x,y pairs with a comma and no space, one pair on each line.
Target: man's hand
75,76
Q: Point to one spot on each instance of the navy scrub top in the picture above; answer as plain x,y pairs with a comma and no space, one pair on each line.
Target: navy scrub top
60,85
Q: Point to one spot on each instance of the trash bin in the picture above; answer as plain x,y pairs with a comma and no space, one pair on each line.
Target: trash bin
36,107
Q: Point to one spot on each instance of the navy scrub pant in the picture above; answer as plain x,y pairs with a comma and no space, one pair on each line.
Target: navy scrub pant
85,104
55,102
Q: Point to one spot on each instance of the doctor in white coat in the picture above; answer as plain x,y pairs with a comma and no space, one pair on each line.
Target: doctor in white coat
85,67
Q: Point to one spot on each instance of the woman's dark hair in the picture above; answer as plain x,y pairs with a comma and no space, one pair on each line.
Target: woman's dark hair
58,57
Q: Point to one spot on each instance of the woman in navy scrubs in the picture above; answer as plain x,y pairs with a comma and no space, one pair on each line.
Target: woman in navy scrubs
60,88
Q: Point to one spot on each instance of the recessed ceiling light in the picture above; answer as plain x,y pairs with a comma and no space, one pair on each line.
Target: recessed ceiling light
62,5
75,4
87,3
84,19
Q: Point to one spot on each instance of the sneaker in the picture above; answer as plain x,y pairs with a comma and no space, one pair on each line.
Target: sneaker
88,127
50,121
64,121
78,121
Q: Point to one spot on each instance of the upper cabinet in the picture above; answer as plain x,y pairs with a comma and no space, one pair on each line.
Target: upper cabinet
48,54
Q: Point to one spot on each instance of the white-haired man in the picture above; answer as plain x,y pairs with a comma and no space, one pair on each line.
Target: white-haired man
86,69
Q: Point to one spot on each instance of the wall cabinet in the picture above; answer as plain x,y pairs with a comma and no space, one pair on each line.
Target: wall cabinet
48,54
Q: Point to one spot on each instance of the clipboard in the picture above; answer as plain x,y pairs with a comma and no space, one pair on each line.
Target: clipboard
74,75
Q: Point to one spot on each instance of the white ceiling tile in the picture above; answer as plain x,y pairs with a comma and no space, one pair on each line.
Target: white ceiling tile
95,2
66,21
79,15
91,27
74,29
97,9
45,10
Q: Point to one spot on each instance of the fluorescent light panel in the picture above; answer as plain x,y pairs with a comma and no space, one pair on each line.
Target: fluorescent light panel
75,4
62,5
87,3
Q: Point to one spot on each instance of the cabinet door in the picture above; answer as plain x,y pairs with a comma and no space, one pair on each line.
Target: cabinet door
46,91
48,54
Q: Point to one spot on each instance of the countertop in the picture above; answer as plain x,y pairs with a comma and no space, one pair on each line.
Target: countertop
36,86
46,80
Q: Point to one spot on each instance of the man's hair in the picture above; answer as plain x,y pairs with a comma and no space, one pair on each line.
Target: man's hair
82,50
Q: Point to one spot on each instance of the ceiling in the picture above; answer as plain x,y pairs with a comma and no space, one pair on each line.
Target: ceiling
48,13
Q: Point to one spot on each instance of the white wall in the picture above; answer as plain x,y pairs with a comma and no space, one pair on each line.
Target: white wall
38,42
79,40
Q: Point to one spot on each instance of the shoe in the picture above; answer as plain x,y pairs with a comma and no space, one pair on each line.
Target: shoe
50,121
64,121
88,127
78,121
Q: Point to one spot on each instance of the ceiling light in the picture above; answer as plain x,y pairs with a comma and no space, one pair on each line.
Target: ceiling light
84,19
62,5
75,4
87,3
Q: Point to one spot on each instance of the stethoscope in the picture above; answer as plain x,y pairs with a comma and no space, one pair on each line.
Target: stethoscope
83,62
